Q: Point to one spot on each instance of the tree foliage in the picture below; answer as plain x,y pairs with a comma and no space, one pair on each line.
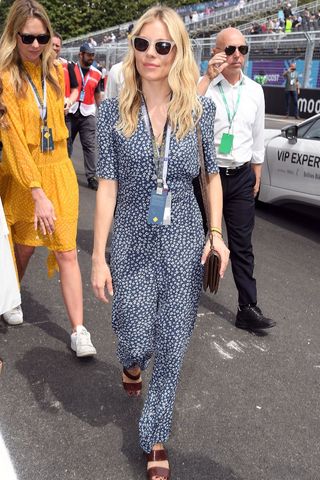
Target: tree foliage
79,17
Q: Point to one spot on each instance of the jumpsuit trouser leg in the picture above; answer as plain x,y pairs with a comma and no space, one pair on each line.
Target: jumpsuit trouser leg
158,320
172,337
179,286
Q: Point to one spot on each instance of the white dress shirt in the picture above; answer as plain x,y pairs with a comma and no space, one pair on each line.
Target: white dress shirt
114,81
248,123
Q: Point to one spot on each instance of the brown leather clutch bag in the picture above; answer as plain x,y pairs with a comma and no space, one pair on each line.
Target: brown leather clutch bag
211,275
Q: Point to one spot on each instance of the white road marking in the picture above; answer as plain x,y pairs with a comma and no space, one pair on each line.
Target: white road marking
233,345
222,352
262,349
205,314
7,470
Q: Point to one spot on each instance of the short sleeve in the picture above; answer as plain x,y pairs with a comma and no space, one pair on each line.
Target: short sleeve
72,76
207,132
107,166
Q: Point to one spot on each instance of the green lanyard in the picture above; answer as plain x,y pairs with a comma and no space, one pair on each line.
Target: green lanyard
230,118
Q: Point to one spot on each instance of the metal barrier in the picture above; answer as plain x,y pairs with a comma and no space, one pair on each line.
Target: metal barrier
268,54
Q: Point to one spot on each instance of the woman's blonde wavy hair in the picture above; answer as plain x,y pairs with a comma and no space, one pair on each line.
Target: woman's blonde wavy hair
3,110
184,108
10,60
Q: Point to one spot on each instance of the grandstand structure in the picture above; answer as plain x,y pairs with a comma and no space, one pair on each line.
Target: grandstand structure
235,13
240,15
269,54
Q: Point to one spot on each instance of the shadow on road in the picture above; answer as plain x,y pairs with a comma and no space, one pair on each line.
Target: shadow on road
37,314
85,241
89,390
192,466
207,302
92,392
300,219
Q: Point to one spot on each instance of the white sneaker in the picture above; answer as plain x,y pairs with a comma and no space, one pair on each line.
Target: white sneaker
81,343
14,316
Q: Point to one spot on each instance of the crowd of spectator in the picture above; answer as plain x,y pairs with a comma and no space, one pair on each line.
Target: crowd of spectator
287,22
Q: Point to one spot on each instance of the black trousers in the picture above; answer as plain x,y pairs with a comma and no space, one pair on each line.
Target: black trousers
86,127
239,215
69,142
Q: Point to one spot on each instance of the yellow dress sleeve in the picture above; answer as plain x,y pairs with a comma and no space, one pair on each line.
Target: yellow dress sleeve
16,154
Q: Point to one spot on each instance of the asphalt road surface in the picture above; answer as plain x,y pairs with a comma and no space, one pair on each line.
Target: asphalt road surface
247,407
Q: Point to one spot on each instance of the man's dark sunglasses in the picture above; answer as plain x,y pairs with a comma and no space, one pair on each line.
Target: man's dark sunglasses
230,49
42,39
162,47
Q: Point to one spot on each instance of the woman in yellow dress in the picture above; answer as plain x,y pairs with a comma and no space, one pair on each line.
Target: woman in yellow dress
38,183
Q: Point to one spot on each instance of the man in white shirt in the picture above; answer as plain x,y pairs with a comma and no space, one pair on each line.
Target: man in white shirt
239,141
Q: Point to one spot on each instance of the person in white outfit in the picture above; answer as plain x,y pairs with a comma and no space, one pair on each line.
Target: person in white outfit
114,81
10,299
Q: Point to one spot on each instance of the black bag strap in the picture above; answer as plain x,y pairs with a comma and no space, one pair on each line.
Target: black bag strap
202,176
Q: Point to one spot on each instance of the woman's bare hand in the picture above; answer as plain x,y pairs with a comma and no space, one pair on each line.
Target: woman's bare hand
44,215
219,246
100,280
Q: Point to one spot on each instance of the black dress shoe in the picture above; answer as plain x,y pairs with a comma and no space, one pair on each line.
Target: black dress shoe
93,183
251,318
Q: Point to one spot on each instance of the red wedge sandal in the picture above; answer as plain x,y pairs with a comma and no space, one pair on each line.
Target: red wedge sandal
132,389
157,472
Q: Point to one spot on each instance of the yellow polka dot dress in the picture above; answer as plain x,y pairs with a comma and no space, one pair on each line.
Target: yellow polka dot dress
24,166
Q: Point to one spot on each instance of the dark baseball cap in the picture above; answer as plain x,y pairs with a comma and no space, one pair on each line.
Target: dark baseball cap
87,48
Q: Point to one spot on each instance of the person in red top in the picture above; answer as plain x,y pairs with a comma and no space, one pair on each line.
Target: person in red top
71,84
82,112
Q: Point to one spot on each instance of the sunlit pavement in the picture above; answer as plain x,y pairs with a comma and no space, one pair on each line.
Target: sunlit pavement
247,407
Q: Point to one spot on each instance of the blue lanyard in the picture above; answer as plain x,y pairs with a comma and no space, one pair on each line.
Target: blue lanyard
161,156
42,104
84,81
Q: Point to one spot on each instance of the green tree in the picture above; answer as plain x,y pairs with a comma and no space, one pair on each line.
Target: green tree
79,17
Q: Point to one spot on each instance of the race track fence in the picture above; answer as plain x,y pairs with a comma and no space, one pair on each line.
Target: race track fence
300,46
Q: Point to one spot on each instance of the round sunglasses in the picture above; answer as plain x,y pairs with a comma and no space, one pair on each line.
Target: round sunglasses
230,49
162,47
42,39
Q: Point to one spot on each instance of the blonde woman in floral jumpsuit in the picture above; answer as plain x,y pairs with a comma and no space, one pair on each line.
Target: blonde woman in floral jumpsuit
149,154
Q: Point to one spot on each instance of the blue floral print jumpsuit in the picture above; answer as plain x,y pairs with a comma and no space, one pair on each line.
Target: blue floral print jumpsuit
156,269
